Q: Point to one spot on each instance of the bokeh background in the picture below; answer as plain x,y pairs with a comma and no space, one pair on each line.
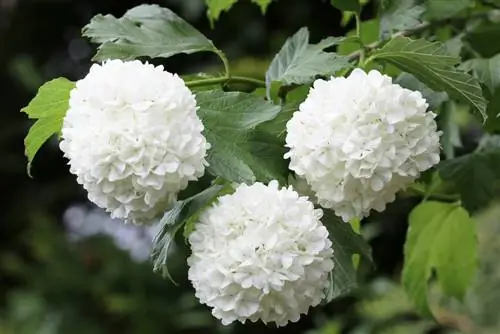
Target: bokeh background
66,267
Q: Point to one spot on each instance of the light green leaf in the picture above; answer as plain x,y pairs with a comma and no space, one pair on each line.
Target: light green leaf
399,15
475,174
38,134
434,99
487,71
216,7
441,237
369,34
49,106
443,9
263,4
173,220
430,63
345,244
144,31
52,99
347,5
299,62
238,152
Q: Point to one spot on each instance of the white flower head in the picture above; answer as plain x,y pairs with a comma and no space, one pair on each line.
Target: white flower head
260,253
359,140
133,138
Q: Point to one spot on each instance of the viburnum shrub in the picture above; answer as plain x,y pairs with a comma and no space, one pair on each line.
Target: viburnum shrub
290,164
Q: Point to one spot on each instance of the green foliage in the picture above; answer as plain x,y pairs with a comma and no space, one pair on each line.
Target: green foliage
49,108
216,7
347,5
431,64
487,71
145,31
434,99
299,62
173,220
238,152
441,237
475,174
245,123
345,243
397,15
443,9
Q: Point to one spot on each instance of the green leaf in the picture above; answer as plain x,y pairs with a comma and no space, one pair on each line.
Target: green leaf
483,38
487,71
216,7
263,4
345,244
173,220
347,5
49,106
277,126
434,99
475,174
369,34
441,237
430,63
443,9
52,99
238,152
299,62
492,124
144,31
450,138
399,15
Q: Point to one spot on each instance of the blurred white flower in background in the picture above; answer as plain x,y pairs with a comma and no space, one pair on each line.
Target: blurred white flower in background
82,222
359,140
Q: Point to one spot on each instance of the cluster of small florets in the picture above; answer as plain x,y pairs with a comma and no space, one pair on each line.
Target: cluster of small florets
133,139
357,141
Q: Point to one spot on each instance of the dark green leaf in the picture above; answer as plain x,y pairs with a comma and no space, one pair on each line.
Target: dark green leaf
483,38
238,152
277,126
493,122
475,174
487,71
430,63
49,106
442,9
173,220
434,99
399,15
345,243
144,31
441,236
347,5
299,62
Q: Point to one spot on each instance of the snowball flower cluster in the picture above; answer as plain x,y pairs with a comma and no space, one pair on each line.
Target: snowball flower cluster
133,138
359,140
261,253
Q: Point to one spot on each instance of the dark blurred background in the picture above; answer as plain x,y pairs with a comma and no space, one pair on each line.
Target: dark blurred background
65,267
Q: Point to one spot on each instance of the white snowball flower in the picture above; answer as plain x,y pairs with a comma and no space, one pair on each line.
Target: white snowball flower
261,253
133,138
359,140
